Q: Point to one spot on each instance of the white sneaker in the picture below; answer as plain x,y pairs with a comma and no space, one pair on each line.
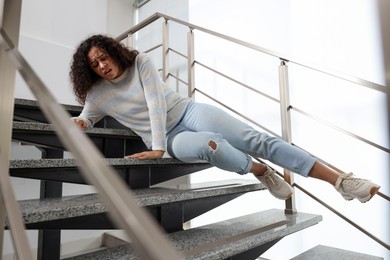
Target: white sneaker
351,188
278,187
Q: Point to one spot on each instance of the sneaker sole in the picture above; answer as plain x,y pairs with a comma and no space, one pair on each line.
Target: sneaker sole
284,198
289,196
346,197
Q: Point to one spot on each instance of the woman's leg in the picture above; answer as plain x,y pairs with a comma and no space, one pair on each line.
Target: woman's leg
211,147
193,146
322,172
207,118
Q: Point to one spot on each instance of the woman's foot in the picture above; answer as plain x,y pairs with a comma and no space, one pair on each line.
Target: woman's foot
354,188
278,187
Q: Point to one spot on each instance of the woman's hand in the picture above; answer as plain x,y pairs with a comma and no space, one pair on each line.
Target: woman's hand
82,124
155,154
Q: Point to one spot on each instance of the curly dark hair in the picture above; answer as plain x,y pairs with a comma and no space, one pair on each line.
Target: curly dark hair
81,74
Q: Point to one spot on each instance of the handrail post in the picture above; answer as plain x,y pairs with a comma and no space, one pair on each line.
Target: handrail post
286,125
165,50
191,63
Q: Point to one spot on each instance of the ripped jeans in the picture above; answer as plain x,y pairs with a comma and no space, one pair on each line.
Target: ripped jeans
208,133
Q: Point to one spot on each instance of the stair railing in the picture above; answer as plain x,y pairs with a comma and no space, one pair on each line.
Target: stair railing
285,106
147,236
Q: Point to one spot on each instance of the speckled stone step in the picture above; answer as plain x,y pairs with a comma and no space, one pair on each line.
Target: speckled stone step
321,252
224,239
137,173
113,142
48,129
29,110
71,163
50,209
30,103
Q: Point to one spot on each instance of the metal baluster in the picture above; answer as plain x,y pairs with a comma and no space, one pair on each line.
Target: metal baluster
165,50
286,125
191,63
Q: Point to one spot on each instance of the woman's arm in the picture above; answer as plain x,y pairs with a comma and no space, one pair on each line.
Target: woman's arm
154,154
80,122
88,116
155,99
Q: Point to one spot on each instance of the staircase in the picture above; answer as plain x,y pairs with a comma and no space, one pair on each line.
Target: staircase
245,237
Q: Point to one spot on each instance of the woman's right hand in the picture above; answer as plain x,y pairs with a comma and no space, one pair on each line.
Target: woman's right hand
82,124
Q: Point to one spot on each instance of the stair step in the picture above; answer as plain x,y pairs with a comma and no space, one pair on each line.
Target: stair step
52,209
224,239
322,252
29,110
135,172
71,163
112,142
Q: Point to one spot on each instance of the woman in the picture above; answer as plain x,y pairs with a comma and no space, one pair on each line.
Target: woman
109,79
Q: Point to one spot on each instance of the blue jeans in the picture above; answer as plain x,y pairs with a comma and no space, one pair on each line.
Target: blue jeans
204,126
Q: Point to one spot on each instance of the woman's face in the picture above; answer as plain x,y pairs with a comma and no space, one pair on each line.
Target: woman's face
102,64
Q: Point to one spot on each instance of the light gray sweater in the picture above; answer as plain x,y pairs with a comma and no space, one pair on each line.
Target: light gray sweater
139,100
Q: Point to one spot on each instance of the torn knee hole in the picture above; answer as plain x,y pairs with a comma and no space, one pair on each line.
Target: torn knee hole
213,145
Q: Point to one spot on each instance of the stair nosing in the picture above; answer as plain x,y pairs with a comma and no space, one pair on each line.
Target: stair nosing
114,162
38,127
35,103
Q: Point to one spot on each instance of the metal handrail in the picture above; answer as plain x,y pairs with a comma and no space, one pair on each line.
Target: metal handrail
324,122
284,58
121,205
278,55
237,113
237,82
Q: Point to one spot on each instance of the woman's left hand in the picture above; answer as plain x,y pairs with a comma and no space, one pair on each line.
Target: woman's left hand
155,154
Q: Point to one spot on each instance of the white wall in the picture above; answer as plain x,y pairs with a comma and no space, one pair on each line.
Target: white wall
49,32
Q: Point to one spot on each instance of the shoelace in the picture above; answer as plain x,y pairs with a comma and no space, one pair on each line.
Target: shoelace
269,177
353,182
342,177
